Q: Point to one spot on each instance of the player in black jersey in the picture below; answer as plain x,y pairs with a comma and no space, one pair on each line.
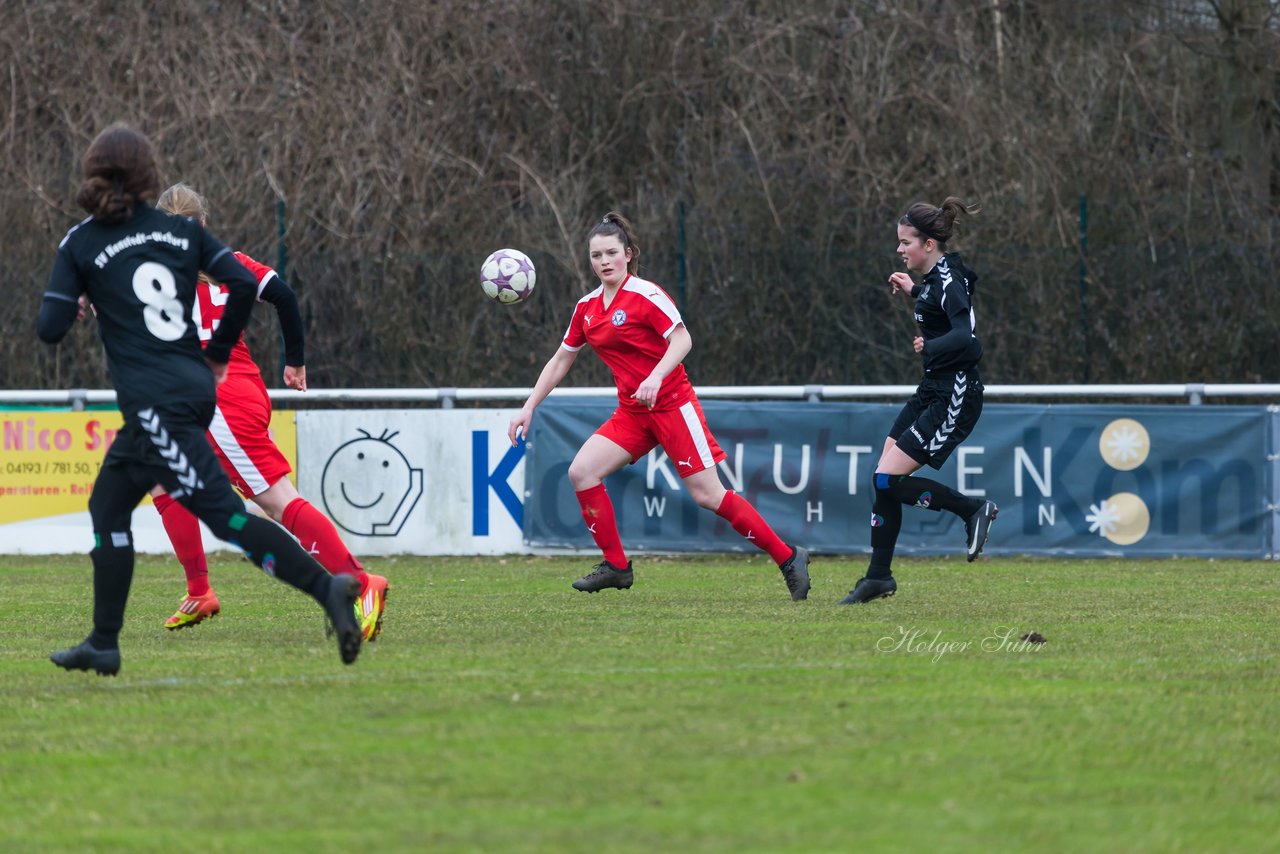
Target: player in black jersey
945,406
137,266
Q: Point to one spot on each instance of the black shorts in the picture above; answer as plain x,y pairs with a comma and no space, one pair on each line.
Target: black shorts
167,446
938,417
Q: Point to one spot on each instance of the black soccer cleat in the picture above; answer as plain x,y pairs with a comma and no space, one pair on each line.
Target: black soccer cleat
795,571
978,526
340,605
85,657
870,589
604,576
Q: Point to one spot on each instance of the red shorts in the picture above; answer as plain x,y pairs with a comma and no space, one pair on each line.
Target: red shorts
682,433
240,439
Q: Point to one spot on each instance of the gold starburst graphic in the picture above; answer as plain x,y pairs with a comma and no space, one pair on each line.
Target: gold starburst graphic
1124,444
1123,518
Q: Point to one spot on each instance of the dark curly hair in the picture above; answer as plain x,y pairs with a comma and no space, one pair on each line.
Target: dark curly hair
120,171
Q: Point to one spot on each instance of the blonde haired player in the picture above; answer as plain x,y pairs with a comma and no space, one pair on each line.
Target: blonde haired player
637,331
241,441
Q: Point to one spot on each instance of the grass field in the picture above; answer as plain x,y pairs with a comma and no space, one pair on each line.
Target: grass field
701,710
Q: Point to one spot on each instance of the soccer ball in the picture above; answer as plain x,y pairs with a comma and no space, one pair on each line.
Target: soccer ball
507,276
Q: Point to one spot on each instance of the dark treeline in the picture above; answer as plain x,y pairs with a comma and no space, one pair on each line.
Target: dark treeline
1125,156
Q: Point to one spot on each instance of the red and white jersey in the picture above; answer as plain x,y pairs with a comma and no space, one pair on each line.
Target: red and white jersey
211,301
630,336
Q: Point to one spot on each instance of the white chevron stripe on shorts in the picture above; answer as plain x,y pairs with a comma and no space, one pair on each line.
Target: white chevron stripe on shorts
953,411
169,450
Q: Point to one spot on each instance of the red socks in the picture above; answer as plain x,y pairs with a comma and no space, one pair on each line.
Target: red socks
597,513
316,533
184,533
748,522
320,540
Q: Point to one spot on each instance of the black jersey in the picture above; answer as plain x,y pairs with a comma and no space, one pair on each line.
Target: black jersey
944,313
140,277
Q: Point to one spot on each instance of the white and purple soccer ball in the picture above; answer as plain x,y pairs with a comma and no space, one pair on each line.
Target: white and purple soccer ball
507,276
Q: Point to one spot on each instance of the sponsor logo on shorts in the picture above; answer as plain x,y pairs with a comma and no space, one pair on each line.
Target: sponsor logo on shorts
916,433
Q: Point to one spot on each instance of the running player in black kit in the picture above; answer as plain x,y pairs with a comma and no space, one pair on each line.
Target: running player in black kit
137,267
946,405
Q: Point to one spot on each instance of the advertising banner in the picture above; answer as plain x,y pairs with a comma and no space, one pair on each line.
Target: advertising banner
1079,479
1070,479
47,469
415,481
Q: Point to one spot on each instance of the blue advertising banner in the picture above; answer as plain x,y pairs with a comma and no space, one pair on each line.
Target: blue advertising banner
1089,480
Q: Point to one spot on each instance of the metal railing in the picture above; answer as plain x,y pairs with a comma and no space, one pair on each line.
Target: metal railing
1193,393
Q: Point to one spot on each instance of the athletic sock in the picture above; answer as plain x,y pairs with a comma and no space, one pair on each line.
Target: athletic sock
597,513
183,529
748,522
926,493
112,558
321,540
886,522
278,554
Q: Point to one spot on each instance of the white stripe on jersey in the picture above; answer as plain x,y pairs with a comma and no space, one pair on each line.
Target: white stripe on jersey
72,230
236,455
944,269
699,436
659,298
262,283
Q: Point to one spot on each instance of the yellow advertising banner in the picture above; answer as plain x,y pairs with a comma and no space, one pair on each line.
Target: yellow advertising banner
50,459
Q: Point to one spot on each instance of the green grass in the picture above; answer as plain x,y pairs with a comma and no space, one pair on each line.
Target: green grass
701,710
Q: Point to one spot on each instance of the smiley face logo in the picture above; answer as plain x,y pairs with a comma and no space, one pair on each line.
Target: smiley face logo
369,487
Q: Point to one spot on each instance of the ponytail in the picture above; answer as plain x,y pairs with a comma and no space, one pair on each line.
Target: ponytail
937,223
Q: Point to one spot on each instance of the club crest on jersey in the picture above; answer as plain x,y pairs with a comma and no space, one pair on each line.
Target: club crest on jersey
619,318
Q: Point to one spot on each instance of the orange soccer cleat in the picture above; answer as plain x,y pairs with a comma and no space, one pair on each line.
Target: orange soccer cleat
194,610
371,606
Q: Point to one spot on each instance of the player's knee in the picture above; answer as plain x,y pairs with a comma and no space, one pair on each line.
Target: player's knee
225,525
581,477
112,525
277,498
710,499
881,481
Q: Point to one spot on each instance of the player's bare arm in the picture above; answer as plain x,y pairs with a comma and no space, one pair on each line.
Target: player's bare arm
553,372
